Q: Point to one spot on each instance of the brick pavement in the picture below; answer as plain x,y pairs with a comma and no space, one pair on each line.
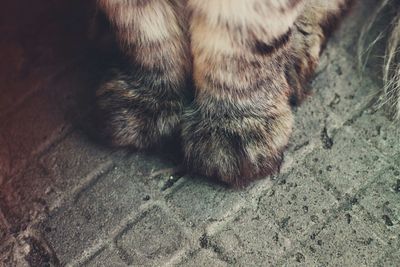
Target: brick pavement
67,200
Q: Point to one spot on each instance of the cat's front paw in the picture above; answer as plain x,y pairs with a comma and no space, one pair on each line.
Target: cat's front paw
131,115
235,149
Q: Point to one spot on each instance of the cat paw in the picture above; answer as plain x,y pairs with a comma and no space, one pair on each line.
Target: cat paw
311,31
304,53
131,115
235,150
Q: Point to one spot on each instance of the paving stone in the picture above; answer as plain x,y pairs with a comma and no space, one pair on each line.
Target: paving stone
384,233
98,209
346,241
309,123
197,201
24,198
26,132
28,195
379,131
341,93
347,166
298,204
107,257
381,199
249,240
151,240
298,258
72,159
392,258
40,122
204,257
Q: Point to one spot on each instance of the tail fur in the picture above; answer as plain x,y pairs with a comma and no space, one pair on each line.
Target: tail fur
389,97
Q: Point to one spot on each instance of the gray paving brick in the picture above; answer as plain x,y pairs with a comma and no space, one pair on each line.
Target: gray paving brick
383,232
298,258
249,240
95,211
378,225
309,123
391,258
26,132
380,132
204,257
69,161
341,93
151,240
381,199
40,122
348,166
198,202
347,241
31,194
298,204
107,257
57,171
23,198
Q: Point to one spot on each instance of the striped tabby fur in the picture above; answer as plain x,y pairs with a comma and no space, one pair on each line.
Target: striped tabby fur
248,61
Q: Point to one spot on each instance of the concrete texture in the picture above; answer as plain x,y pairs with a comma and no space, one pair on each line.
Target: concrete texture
67,200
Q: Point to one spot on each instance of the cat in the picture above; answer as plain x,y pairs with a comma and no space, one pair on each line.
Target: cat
247,60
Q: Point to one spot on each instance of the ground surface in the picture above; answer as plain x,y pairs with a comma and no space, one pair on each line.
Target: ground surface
67,200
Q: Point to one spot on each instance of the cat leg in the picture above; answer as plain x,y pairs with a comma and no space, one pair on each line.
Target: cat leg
141,102
310,34
241,120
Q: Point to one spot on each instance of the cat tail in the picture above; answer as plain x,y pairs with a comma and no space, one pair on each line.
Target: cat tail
389,95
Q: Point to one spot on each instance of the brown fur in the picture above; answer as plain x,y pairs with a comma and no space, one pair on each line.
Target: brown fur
311,31
248,60
142,102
